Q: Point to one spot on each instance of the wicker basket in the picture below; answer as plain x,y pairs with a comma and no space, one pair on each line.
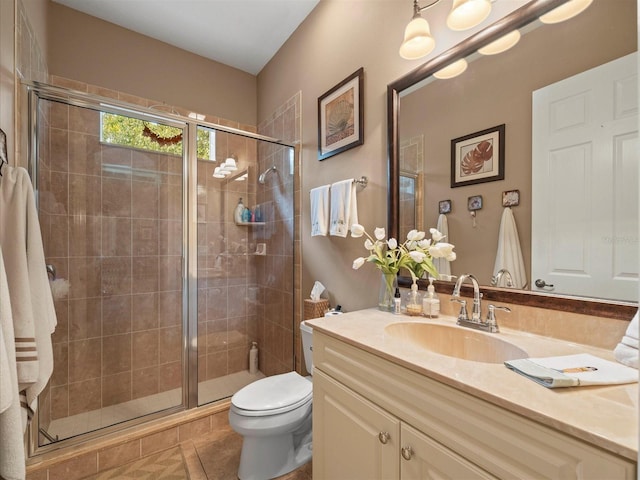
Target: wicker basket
315,308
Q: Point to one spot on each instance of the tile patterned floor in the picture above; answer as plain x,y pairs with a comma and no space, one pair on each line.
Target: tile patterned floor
166,465
214,457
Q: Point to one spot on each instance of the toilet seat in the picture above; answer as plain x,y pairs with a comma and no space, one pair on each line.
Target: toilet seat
272,395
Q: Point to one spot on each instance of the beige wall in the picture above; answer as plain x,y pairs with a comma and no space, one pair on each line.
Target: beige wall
335,40
93,51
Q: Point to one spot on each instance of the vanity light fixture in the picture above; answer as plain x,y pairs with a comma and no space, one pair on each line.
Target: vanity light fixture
452,70
229,165
219,172
502,44
418,40
565,11
464,14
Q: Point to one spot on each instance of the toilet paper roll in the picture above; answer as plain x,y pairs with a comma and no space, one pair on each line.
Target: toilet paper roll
332,313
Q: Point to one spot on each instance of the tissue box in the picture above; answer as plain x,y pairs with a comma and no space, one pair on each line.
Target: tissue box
315,308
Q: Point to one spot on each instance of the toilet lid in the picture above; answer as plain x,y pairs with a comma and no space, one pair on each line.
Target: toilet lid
272,393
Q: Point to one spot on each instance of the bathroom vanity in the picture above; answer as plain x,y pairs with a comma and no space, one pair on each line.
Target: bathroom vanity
384,406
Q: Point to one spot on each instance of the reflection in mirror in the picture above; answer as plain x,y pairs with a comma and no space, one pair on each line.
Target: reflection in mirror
597,178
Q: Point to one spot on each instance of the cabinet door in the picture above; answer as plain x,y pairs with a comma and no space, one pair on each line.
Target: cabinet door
423,458
349,440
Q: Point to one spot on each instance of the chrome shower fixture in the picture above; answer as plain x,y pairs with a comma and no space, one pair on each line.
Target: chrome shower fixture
263,175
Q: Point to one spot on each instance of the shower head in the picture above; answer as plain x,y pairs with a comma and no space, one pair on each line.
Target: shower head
263,175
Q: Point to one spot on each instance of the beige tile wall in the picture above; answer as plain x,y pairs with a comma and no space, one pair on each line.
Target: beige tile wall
116,237
278,273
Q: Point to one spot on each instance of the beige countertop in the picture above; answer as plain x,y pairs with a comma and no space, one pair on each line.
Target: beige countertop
605,416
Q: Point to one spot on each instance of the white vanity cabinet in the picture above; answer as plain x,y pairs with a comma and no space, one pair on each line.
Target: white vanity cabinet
375,419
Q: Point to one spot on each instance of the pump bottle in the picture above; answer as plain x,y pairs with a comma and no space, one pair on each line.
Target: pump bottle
431,302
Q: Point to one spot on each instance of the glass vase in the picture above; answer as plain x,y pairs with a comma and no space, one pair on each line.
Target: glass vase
388,286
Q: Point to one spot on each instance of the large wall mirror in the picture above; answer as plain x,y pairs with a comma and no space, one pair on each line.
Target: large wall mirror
567,95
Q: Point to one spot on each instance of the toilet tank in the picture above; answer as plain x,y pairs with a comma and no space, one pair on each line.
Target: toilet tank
306,332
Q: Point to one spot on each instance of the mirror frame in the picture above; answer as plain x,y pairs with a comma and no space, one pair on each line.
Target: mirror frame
517,19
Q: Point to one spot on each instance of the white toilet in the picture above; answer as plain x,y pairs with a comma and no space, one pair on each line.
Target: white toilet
274,417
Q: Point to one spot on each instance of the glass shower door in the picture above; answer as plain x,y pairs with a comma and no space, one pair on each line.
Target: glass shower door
110,191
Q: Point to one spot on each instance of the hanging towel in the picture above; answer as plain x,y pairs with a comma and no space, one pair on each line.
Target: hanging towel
320,211
626,352
509,256
34,317
442,264
12,466
344,207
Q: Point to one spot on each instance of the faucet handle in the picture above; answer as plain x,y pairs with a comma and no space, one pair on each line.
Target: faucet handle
463,315
491,315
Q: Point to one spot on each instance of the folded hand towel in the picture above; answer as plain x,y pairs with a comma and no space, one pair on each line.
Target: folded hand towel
344,207
573,371
320,211
442,264
509,255
626,352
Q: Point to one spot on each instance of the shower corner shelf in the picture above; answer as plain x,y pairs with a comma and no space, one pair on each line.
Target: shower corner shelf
247,224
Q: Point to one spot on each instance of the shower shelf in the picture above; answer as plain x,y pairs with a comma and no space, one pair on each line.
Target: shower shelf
246,224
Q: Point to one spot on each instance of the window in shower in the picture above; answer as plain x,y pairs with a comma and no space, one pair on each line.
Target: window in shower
112,224
146,135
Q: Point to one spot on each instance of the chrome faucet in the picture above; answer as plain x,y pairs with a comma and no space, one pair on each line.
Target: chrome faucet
475,313
495,280
476,322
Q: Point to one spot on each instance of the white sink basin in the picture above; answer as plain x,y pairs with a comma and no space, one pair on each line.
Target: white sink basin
454,341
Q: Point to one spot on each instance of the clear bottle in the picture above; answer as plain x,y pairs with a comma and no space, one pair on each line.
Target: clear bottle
253,358
431,302
413,303
237,213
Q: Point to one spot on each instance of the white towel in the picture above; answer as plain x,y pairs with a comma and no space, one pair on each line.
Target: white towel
344,207
12,452
320,211
509,255
573,371
34,317
442,264
626,352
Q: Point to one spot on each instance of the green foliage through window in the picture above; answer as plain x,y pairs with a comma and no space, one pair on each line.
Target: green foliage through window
128,132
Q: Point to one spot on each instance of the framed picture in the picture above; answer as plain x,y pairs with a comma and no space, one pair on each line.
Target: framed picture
444,206
474,203
478,157
511,198
341,116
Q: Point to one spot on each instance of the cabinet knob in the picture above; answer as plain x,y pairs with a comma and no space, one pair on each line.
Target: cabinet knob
407,453
384,437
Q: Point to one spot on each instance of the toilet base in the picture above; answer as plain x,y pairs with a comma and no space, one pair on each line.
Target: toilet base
281,454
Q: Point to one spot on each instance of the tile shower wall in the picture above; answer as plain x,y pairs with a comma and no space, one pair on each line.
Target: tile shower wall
228,296
112,223
278,274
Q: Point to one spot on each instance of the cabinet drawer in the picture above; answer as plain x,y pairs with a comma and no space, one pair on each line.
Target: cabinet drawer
501,442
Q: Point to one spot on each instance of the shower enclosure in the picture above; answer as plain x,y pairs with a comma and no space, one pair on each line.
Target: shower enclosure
159,294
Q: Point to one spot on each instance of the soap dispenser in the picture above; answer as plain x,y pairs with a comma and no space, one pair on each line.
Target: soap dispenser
431,302
413,304
238,212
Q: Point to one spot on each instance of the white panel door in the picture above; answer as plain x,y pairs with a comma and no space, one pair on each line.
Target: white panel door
585,183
